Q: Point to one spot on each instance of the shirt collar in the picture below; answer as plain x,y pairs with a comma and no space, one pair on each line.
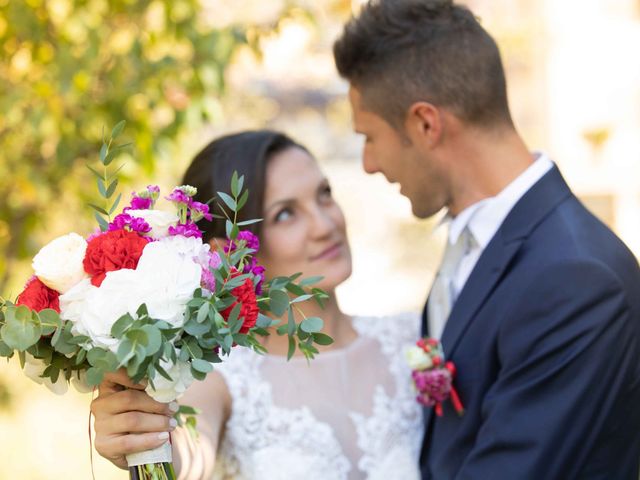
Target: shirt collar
483,218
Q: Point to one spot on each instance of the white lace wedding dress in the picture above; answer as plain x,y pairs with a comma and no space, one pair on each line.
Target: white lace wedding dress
348,414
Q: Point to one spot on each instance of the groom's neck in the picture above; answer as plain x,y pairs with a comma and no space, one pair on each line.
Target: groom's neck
482,163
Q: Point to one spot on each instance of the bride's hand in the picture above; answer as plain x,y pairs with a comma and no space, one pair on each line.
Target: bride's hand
128,420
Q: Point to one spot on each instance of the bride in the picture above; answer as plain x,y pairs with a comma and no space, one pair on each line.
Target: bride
348,414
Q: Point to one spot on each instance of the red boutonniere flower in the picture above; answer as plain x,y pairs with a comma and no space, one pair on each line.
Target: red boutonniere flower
432,376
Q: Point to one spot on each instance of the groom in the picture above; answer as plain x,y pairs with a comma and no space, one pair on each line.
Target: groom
537,303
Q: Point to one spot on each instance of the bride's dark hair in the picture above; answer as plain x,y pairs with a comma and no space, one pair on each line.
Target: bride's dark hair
247,153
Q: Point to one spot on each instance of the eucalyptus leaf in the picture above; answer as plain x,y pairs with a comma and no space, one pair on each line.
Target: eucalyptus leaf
201,366
228,200
117,130
279,302
312,324
21,329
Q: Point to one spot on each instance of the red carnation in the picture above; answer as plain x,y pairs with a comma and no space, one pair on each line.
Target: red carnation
37,296
246,295
112,251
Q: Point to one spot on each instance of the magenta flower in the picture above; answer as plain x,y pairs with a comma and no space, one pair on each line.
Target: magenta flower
124,221
200,210
208,279
186,230
250,239
178,196
433,385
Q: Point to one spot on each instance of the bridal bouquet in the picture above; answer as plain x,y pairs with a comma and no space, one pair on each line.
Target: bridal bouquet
144,293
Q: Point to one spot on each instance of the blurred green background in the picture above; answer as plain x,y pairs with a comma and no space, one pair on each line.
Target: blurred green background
181,72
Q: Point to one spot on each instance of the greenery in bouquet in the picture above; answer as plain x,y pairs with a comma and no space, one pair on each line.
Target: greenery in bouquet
145,293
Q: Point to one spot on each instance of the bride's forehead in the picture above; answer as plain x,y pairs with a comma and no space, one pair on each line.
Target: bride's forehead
293,172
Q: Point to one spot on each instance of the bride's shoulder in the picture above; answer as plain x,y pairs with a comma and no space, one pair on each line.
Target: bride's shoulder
401,327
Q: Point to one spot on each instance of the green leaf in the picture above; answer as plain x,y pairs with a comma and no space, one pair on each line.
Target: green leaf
21,330
154,341
201,366
312,325
322,339
49,321
117,130
228,200
99,209
126,351
203,312
121,325
249,222
94,376
95,172
114,152
292,348
104,149
198,375
163,372
234,184
240,184
263,321
310,281
278,302
302,298
104,225
101,187
5,351
192,327
243,200
112,188
291,323
115,204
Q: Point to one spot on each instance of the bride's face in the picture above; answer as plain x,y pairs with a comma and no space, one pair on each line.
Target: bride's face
303,228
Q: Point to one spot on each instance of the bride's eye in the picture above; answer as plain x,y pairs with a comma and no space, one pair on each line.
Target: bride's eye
283,215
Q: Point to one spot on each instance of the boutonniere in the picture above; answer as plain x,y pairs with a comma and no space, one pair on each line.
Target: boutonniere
432,376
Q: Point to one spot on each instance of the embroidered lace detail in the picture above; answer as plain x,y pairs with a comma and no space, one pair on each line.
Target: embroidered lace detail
263,441
267,442
390,438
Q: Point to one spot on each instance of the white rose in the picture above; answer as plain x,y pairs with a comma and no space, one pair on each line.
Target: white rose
35,367
158,220
418,359
170,278
167,391
59,263
94,310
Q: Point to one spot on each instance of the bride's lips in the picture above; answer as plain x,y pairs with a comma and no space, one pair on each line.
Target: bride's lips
331,252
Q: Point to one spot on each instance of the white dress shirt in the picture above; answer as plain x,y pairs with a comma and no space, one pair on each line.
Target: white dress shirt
483,219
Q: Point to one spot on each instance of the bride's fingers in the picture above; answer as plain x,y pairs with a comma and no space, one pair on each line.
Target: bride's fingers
114,448
133,422
129,400
119,380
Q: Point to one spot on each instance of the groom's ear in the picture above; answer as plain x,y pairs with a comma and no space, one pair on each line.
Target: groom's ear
424,123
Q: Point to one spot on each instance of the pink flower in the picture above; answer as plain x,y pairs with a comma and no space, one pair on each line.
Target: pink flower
208,278
200,210
186,230
178,196
124,221
434,385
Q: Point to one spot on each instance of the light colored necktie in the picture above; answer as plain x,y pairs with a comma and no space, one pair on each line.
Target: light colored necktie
443,296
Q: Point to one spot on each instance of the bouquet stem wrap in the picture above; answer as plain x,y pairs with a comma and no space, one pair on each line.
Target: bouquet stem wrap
152,464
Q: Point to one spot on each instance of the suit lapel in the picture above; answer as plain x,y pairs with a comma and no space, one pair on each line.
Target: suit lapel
528,212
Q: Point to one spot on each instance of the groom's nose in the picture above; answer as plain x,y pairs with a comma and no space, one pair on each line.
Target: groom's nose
368,162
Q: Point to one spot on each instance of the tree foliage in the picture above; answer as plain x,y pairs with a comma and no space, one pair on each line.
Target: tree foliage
70,68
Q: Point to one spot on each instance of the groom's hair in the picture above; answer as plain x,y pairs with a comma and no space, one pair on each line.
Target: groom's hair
398,52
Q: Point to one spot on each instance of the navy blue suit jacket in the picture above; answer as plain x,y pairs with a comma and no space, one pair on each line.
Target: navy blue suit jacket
545,336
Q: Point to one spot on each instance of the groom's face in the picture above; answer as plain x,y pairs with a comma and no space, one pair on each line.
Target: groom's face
398,158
